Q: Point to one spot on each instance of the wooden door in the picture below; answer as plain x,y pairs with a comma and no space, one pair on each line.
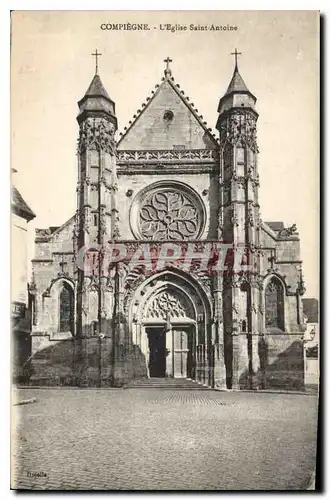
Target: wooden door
180,353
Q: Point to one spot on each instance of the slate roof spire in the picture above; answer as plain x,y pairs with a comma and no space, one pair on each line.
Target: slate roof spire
237,83
97,89
237,93
96,101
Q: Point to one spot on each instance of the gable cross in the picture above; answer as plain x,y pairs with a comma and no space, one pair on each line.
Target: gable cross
167,69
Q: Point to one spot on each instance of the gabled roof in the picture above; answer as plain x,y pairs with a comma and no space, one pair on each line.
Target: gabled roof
19,206
275,226
185,99
52,231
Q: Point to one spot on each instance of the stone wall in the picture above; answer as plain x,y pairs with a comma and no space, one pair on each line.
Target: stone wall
282,361
205,185
19,291
84,362
155,130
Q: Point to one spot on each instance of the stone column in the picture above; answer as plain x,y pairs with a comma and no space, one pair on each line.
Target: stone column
170,347
240,363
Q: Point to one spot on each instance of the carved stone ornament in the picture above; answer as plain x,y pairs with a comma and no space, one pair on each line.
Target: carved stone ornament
122,271
85,309
168,156
96,134
240,130
104,313
170,214
43,232
235,308
250,221
259,223
115,224
103,225
301,283
234,218
236,281
288,231
169,304
253,308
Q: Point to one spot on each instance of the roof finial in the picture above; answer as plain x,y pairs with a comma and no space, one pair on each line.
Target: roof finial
236,54
96,54
167,71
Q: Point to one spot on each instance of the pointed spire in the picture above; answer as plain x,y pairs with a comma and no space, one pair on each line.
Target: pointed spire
237,94
236,90
237,83
96,88
96,98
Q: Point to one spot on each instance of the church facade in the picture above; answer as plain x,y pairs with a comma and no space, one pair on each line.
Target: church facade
132,286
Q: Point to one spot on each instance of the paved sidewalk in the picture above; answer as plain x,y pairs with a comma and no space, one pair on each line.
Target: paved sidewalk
154,439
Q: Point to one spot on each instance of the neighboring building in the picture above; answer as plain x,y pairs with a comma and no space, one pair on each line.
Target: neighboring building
168,179
21,320
312,341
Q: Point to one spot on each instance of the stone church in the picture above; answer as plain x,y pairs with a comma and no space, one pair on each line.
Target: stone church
167,182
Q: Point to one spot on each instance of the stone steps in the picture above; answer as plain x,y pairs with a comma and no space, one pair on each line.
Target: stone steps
165,383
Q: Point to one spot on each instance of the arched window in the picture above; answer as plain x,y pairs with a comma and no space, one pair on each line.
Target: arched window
274,305
66,308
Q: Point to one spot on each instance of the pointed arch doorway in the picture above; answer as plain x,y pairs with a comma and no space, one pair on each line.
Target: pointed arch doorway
169,314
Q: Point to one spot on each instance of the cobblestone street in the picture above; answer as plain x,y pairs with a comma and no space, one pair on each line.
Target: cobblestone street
156,439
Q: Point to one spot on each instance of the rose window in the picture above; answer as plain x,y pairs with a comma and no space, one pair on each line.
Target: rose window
169,214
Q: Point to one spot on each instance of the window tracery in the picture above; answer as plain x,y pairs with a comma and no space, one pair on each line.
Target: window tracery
167,212
169,304
66,309
274,305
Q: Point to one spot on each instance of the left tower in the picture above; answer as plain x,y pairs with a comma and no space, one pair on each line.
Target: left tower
97,214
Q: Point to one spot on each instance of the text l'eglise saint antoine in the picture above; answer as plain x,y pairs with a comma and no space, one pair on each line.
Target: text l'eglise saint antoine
167,27
197,27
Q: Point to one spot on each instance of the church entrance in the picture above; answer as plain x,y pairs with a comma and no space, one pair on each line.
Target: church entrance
168,320
170,351
157,351
182,349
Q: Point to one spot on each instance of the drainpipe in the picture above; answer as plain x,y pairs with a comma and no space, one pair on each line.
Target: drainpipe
101,336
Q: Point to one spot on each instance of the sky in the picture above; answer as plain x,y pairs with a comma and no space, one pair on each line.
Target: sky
52,66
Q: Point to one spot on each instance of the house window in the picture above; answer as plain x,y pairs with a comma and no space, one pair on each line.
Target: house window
66,309
274,305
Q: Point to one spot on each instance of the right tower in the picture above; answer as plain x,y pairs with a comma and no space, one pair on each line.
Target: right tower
240,223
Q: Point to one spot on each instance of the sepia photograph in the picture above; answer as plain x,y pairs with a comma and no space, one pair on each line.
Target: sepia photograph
164,250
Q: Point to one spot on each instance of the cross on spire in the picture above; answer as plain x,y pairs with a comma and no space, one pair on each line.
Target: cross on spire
96,54
235,53
167,69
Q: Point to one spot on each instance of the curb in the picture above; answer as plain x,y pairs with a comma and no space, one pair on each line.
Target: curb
25,402
202,387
